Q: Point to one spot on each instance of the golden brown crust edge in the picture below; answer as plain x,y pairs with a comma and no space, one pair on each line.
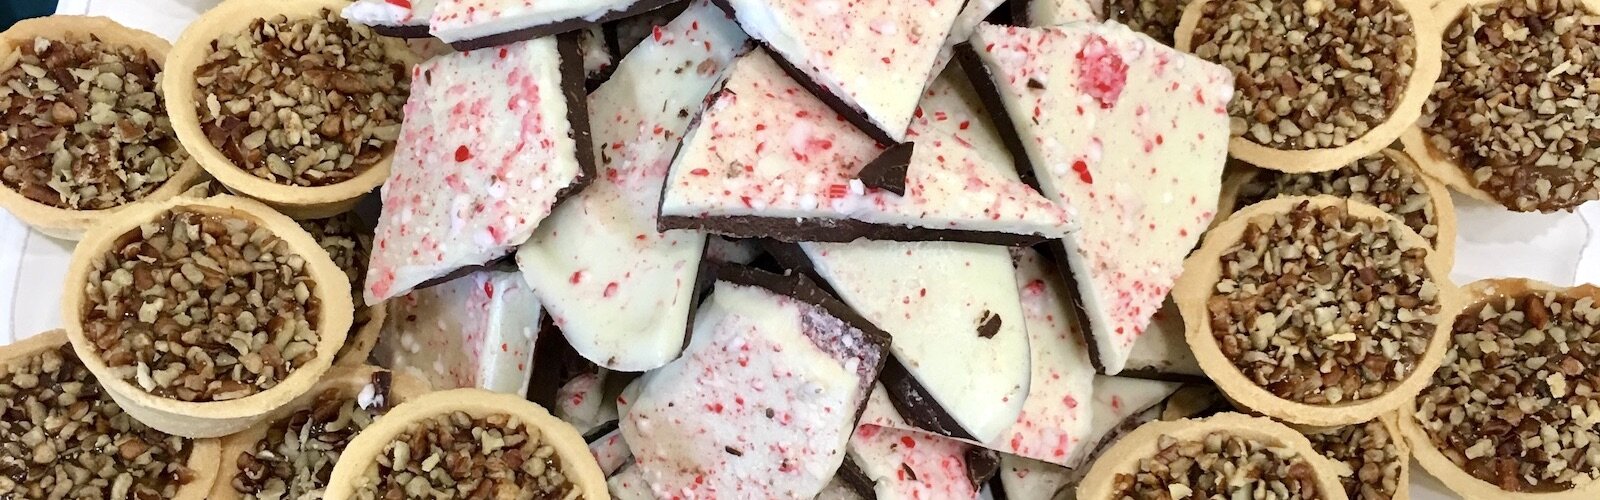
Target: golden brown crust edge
64,223
1434,461
576,461
1444,208
1124,456
348,380
179,84
1425,70
1201,272
203,456
211,419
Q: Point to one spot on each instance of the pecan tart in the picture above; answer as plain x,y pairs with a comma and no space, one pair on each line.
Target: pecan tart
1316,311
292,454
1512,119
199,316
1318,84
1514,411
348,241
1375,457
85,131
287,102
62,437
1223,456
1389,180
467,443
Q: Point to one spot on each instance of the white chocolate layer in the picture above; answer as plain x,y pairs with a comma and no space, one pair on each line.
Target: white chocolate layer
474,331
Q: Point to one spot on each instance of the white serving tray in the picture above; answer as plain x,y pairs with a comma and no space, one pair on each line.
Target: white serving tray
1493,242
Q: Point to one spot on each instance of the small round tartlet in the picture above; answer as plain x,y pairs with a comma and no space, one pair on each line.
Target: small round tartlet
201,316
1318,84
308,142
1374,454
515,442
1505,123
42,373
1389,180
1512,411
1266,454
95,83
1316,311
258,462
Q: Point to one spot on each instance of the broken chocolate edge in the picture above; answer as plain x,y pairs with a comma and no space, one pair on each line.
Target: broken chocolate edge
829,230
705,276
564,26
549,351
401,31
573,81
888,170
982,465
855,478
1057,250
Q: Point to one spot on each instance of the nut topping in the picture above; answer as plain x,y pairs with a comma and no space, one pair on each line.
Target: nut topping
1375,180
61,436
297,454
1218,466
1309,75
461,456
83,124
1516,107
307,102
349,243
1517,401
1371,453
1157,18
201,307
1320,307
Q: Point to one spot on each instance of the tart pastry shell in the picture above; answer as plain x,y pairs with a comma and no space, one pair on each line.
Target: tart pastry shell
362,340
1142,443
1202,271
347,380
1432,460
215,418
182,94
202,457
1444,208
361,455
67,223
1425,70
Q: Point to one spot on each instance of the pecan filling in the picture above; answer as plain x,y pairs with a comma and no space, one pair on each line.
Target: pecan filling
1156,18
83,124
1516,107
1219,466
1517,400
307,102
461,456
63,437
1376,180
201,307
1320,307
1308,75
297,455
1370,452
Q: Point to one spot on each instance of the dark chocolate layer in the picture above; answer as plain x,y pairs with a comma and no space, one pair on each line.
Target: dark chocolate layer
402,30
556,28
577,96
793,229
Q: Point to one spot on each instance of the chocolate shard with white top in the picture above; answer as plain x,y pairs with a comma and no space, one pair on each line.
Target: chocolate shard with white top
1056,419
396,18
765,397
476,24
1124,132
867,58
768,159
611,452
492,140
898,463
621,290
957,322
1162,353
1046,13
475,331
628,484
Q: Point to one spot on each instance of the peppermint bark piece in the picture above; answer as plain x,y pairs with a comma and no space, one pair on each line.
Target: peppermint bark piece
476,24
896,463
475,331
492,140
1056,417
582,403
628,484
611,451
867,58
765,397
1046,13
622,291
1026,479
1162,353
1091,112
960,345
396,18
768,159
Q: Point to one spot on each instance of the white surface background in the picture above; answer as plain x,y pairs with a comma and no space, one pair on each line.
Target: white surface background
1557,248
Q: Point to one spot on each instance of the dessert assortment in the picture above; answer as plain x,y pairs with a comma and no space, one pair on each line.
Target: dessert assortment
662,249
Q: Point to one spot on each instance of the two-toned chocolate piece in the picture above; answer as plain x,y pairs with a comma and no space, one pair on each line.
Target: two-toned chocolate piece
479,331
